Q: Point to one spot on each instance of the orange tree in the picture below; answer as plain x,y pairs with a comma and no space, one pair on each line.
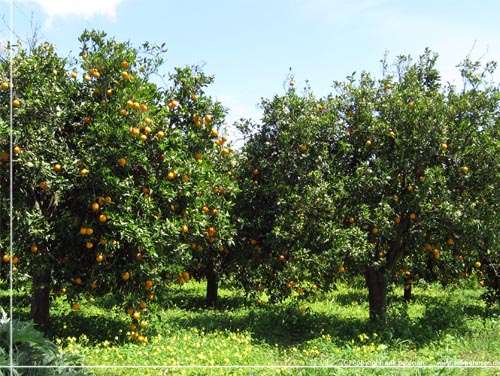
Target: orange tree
408,167
112,175
290,240
420,172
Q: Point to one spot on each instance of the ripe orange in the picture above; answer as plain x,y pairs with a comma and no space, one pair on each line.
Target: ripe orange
126,276
17,150
477,264
171,175
78,281
368,143
5,85
185,178
122,162
208,119
84,172
375,230
136,315
173,104
341,269
148,121
89,245
6,257
89,231
142,304
410,188
185,229
57,167
150,296
100,257
16,103
444,147
352,219
125,64
34,248
43,185
138,256
95,206
75,306
392,134
303,148
214,132
96,74
282,257
123,112
125,76
103,218
397,219
413,216
87,78
465,169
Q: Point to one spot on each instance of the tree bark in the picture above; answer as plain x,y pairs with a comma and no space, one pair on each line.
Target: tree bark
40,298
212,286
376,282
407,291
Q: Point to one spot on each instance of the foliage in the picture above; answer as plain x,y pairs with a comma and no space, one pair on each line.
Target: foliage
113,173
31,348
395,176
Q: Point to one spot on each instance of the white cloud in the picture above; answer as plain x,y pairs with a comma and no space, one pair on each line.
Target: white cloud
77,8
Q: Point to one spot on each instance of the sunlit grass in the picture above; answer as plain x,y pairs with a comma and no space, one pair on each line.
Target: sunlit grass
441,327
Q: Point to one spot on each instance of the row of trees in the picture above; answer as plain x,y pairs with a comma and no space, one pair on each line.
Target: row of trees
123,181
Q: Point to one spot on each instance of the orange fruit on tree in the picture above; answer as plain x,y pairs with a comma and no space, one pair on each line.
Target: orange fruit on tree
89,231
5,257
477,264
95,206
89,245
122,161
125,64
75,306
126,276
5,85
34,248
100,257
43,185
136,315
150,296
341,269
57,167
142,304
185,229
103,218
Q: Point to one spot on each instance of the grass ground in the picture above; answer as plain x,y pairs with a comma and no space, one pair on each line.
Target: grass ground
443,331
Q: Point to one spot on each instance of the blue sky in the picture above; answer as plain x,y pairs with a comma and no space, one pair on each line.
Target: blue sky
249,45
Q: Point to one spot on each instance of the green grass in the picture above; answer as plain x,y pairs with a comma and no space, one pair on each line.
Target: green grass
441,327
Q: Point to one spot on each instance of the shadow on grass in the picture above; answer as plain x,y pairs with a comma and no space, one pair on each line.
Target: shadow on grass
286,325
